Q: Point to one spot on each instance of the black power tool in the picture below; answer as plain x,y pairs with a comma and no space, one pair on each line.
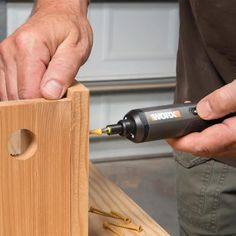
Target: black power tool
160,122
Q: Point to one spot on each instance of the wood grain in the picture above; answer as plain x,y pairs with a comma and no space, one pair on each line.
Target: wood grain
106,196
44,192
35,193
79,159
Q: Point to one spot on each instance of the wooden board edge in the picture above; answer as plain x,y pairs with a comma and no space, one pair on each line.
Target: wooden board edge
79,96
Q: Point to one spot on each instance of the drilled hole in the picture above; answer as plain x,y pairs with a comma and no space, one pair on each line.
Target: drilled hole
22,144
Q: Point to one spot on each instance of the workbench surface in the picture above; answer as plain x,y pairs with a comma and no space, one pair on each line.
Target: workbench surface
106,196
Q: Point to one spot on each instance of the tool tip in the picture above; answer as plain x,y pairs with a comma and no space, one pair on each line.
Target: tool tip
100,131
96,132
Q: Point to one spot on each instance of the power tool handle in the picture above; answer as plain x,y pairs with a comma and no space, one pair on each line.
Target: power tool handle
163,122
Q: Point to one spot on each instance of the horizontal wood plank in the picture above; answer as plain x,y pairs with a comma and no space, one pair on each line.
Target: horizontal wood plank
106,196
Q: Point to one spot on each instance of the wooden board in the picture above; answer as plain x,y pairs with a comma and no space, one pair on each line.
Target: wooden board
106,196
79,159
44,192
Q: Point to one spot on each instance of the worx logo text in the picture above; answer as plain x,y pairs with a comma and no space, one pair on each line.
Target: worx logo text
165,115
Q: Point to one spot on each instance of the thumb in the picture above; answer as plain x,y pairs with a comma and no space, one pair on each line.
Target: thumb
60,73
219,103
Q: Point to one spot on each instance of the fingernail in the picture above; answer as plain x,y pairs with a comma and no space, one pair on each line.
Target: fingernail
53,89
204,109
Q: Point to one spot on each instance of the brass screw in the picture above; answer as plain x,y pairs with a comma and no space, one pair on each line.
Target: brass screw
114,231
134,227
127,220
112,214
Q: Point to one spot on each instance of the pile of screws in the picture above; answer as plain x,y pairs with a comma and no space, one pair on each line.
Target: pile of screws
112,226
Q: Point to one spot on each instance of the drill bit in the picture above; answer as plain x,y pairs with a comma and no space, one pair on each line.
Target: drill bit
109,130
100,131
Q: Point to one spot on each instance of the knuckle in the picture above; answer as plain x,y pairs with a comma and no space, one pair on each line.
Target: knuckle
25,94
24,39
202,150
69,65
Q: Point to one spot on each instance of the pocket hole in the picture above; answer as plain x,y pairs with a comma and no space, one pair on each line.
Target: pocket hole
22,144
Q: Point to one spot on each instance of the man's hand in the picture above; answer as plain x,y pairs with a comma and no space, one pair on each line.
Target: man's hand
218,140
42,58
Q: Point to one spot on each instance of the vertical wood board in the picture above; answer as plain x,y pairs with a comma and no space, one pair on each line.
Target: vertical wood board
79,159
35,193
44,191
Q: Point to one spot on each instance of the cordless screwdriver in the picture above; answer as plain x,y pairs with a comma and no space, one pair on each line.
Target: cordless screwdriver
160,122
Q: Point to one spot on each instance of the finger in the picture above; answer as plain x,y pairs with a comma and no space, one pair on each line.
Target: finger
11,79
32,59
219,103
30,74
61,72
212,141
10,68
3,90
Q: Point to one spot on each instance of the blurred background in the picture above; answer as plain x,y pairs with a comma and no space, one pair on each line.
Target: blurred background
132,65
